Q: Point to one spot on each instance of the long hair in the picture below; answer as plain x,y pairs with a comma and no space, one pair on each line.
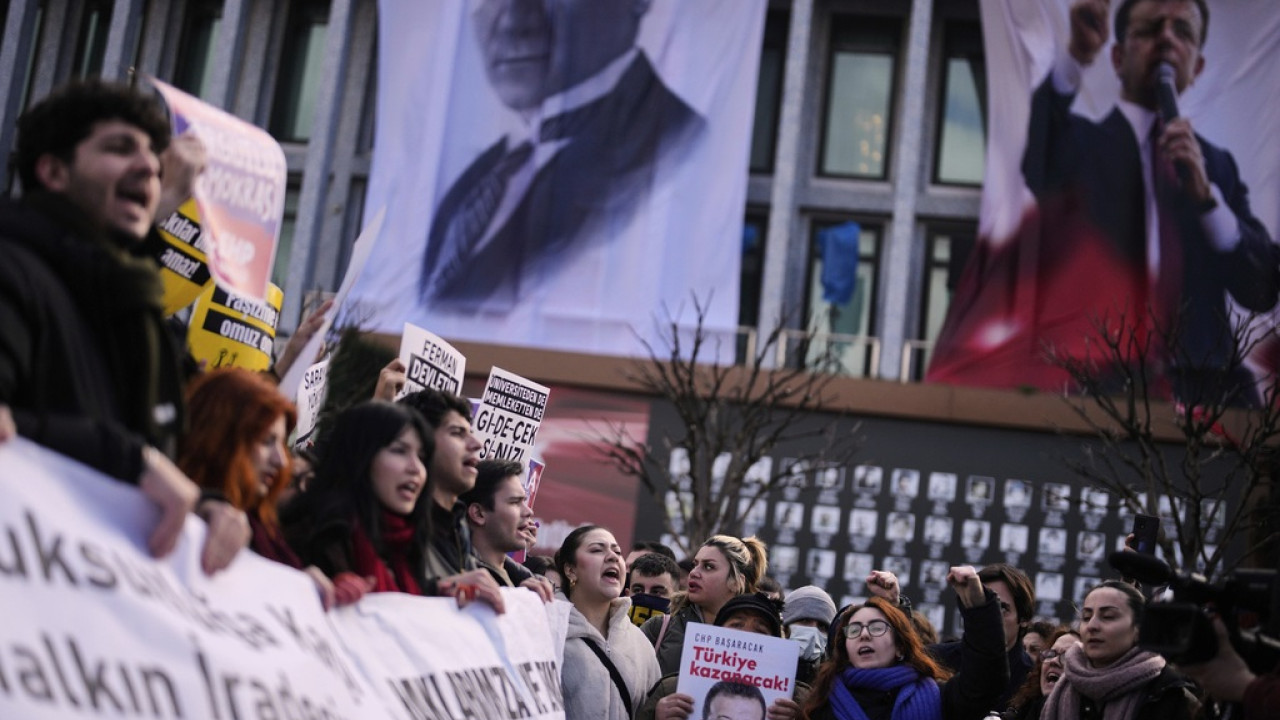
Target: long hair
904,638
747,558
342,490
1029,692
230,410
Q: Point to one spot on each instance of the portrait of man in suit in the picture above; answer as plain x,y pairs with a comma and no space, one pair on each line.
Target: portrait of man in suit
1140,198
601,132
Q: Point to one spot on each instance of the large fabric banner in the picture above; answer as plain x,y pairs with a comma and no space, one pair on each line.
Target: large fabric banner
1101,208
555,174
94,627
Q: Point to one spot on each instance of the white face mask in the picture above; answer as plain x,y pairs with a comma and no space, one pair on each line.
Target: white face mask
813,642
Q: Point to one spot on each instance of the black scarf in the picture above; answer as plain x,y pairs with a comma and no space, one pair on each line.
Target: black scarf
120,295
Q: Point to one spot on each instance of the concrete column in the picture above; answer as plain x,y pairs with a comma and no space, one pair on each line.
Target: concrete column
907,178
122,39
15,48
780,253
313,208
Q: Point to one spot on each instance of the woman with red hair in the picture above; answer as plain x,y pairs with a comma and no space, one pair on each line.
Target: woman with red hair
236,450
879,669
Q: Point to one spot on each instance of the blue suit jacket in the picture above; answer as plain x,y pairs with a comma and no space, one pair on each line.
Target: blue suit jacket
1077,167
596,182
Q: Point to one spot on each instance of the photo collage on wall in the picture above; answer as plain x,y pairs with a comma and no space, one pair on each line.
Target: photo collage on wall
831,526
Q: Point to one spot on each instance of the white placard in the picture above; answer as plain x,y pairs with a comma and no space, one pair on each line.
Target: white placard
510,411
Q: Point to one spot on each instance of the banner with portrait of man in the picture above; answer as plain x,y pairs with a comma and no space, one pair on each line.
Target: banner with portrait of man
1131,192
557,173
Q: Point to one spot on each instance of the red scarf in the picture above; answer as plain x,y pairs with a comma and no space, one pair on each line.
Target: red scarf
395,573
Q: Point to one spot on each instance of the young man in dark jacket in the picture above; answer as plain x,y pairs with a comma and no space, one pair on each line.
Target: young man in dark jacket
86,364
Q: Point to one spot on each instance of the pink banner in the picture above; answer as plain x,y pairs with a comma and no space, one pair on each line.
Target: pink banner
240,194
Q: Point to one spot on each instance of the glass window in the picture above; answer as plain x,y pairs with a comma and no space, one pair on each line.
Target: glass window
844,317
962,141
92,44
947,252
858,116
299,79
280,272
754,231
764,131
195,53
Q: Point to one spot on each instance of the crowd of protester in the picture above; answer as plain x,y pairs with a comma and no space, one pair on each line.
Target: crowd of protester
396,498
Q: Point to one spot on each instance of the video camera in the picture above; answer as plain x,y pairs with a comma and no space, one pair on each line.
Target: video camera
1248,601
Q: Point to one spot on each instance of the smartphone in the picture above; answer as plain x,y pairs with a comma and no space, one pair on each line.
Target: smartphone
1146,528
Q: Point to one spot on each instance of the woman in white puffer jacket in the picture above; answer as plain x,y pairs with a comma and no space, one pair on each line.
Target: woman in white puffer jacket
609,665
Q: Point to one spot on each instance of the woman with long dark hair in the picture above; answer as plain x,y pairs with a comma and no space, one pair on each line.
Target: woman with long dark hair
609,665
1107,675
1028,701
361,517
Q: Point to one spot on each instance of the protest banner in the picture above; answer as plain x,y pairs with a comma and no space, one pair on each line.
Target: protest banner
179,245
430,362
230,330
240,194
733,672
359,256
96,627
315,385
510,412
471,678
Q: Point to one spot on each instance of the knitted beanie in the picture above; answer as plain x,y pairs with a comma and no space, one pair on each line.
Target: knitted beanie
808,603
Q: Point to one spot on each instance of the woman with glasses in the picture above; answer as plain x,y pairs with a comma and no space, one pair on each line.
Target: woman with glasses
1028,701
879,670
1107,675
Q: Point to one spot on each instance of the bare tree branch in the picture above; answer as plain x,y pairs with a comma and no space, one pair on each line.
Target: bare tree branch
731,419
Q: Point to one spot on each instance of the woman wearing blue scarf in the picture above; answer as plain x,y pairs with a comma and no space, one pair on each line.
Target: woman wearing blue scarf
879,672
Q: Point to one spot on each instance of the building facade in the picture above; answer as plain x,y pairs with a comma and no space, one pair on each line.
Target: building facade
867,111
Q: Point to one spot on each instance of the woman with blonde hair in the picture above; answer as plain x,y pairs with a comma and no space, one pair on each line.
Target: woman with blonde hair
725,566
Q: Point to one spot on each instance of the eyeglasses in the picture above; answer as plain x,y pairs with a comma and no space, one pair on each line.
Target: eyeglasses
1047,655
875,628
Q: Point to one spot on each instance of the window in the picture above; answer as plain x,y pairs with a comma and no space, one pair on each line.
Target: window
92,45
280,272
854,317
764,131
199,38
754,231
857,120
300,71
962,145
948,250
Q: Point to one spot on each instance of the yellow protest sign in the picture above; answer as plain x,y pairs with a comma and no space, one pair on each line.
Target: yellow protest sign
184,268
230,330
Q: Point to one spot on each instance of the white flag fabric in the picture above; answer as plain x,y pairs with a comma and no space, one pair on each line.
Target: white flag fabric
557,180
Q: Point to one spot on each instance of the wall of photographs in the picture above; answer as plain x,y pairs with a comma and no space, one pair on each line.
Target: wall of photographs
923,496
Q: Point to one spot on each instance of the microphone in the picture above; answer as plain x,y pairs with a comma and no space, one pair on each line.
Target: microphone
1167,97
1167,92
1146,569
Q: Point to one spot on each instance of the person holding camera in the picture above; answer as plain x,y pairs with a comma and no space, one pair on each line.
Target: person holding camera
1108,676
1228,679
